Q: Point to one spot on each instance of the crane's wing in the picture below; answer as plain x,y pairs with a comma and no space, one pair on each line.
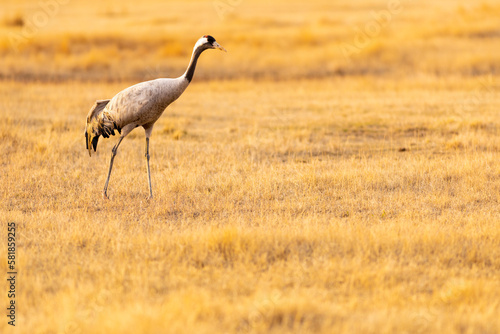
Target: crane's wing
94,126
96,109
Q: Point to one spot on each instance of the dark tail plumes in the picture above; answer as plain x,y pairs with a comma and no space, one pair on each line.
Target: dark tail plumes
99,123
93,142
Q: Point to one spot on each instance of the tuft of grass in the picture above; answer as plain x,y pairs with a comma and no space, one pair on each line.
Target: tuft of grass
16,20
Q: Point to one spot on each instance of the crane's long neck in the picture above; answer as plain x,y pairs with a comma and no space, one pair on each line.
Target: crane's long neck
188,75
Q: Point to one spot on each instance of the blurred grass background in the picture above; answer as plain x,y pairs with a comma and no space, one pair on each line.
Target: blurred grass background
123,40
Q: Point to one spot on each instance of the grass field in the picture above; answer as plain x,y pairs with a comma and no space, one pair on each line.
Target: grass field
297,188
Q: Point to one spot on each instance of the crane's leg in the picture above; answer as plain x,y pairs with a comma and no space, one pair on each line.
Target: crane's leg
113,153
149,171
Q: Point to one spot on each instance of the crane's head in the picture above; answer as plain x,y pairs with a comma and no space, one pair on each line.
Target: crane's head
208,42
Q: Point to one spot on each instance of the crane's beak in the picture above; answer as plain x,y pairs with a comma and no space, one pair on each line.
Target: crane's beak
218,46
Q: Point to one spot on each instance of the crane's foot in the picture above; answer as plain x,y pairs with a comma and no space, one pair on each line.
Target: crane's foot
150,198
105,196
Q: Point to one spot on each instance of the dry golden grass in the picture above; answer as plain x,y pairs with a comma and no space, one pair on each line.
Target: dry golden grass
297,215
366,202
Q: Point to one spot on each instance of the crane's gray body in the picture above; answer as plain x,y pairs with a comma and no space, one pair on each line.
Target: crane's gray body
144,103
138,105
